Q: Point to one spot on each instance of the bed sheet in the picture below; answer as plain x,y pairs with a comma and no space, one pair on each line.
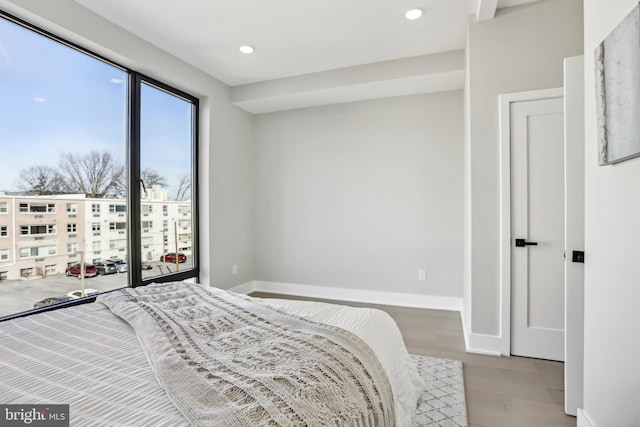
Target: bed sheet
91,359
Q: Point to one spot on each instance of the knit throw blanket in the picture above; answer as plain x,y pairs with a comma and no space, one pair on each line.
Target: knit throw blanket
227,361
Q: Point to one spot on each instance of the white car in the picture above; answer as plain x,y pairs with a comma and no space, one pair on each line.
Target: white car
87,292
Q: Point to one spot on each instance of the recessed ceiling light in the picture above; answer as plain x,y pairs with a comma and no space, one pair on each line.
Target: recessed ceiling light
246,49
413,14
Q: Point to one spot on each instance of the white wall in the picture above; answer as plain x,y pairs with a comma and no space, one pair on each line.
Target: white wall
521,49
225,132
612,270
362,195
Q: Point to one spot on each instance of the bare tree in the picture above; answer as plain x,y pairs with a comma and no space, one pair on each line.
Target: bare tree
41,180
184,188
95,174
151,177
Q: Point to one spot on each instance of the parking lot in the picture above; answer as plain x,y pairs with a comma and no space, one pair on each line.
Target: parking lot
20,295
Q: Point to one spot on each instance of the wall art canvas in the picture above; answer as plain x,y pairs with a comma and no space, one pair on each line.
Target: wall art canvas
617,67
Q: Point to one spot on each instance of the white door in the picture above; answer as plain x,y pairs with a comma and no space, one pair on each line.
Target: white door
537,228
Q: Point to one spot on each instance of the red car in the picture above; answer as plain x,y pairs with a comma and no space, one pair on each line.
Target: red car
171,257
90,270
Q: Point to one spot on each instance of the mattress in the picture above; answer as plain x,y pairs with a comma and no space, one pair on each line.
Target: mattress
91,359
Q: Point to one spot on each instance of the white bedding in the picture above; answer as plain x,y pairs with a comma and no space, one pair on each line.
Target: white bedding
380,332
87,357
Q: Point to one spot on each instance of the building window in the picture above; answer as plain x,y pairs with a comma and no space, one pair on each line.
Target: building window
147,209
3,276
95,208
4,254
95,227
72,207
31,230
26,272
72,228
3,208
38,251
96,245
37,208
117,208
4,231
147,224
117,225
50,269
165,209
118,244
72,248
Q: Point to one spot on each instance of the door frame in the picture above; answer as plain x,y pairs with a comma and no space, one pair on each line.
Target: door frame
505,101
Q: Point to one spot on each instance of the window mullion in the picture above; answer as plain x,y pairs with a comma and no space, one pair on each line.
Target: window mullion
133,183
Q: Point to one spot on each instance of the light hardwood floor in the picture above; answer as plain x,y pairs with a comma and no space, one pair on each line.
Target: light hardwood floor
500,391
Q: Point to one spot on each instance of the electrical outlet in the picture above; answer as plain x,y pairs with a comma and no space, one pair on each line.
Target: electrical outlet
422,274
234,269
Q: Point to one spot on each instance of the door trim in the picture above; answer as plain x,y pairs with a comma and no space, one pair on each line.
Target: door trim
504,102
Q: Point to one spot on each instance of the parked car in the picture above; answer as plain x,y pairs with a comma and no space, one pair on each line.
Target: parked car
78,294
121,265
171,257
51,301
90,270
147,266
106,268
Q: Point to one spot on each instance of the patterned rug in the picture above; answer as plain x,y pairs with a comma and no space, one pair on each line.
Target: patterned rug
443,403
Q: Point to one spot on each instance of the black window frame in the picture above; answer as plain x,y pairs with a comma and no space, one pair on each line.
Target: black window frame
134,191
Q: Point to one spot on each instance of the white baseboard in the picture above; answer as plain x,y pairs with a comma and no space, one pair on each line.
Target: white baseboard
584,420
244,288
480,343
474,343
357,295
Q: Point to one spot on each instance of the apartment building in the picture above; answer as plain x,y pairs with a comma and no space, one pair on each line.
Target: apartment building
42,235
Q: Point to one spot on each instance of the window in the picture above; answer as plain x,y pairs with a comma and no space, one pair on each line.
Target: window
147,224
3,276
50,269
38,251
4,254
30,230
37,208
118,244
26,272
142,130
4,231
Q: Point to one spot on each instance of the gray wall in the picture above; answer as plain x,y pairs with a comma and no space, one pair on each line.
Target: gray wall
362,195
612,271
521,49
225,133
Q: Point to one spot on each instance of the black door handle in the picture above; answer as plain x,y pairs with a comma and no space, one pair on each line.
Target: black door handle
521,243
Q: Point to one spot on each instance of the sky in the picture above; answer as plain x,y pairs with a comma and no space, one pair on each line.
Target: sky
54,99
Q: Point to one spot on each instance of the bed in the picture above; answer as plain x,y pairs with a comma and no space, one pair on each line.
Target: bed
181,354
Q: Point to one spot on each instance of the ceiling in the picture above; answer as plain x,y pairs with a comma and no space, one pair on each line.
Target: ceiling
293,37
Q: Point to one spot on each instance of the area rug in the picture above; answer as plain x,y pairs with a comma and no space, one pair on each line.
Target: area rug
442,402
